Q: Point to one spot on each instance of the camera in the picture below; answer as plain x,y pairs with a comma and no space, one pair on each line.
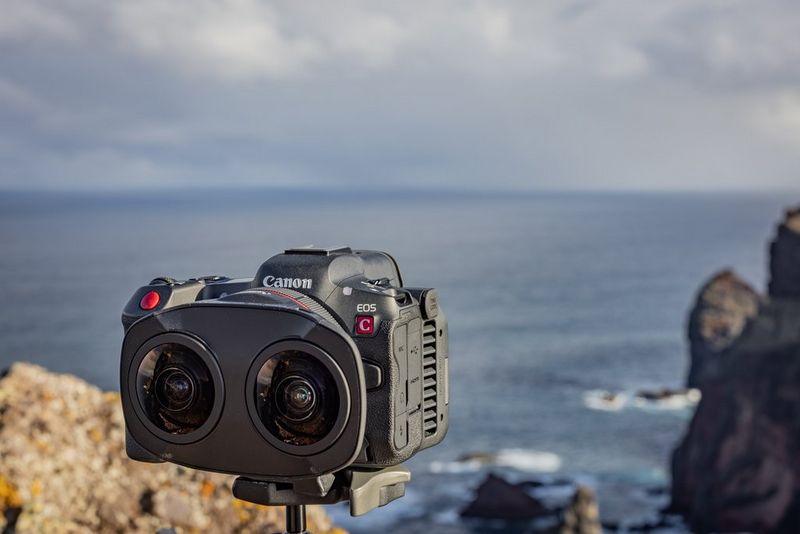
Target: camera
323,361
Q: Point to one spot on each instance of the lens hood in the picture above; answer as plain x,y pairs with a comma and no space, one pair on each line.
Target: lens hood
180,424
318,369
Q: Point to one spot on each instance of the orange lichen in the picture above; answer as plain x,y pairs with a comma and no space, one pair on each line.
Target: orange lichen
207,489
241,505
9,498
96,435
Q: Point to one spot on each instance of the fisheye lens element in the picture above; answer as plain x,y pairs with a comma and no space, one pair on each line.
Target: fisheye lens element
175,388
297,398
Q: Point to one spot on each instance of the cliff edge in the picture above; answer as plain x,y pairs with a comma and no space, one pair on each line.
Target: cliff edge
63,468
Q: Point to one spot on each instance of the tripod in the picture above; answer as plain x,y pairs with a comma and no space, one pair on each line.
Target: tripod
365,489
296,519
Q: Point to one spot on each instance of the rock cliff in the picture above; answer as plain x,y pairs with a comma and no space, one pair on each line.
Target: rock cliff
785,258
738,467
63,468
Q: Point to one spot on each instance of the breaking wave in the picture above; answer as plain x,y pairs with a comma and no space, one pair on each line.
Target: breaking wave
613,401
520,459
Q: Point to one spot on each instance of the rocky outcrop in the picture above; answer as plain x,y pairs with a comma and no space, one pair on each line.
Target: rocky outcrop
738,467
498,499
63,468
724,306
582,516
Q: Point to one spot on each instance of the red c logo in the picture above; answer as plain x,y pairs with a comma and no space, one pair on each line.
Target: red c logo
365,325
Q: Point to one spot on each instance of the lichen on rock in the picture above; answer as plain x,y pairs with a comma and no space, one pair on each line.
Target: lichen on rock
63,469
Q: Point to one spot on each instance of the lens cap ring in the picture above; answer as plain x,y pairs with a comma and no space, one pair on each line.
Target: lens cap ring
335,373
205,357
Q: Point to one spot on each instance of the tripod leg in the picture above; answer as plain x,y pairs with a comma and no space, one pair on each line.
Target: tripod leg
296,519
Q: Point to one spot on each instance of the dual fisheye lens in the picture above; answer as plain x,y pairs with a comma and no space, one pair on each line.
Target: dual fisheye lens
295,395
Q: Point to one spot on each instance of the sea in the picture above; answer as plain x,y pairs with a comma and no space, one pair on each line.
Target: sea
552,299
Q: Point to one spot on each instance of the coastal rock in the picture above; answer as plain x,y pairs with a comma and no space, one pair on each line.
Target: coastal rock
724,306
785,257
648,399
582,516
497,498
667,395
737,468
63,469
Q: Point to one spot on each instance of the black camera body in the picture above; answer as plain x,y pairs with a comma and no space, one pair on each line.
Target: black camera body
320,362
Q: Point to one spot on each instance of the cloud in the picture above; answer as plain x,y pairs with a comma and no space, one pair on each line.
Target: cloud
14,97
237,39
779,116
477,94
31,21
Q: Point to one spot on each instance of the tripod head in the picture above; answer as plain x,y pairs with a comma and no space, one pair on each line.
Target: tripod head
365,489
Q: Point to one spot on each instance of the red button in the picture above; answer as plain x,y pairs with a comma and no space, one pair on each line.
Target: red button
150,300
365,325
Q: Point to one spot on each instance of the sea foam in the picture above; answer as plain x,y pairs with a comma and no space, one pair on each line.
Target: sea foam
530,461
612,401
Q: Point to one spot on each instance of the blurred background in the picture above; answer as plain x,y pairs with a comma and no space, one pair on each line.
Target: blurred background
566,174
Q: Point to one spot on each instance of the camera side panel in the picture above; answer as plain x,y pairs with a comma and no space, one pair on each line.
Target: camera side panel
404,355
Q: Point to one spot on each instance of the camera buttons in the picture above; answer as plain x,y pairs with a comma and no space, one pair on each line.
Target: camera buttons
365,325
150,300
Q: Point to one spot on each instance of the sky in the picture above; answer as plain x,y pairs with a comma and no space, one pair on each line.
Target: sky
468,95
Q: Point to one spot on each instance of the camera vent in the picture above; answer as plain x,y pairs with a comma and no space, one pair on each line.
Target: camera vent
430,412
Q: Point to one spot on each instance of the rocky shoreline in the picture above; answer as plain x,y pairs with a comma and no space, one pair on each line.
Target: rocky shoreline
63,469
737,468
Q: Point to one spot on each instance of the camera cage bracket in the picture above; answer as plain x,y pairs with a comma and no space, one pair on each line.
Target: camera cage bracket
365,489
